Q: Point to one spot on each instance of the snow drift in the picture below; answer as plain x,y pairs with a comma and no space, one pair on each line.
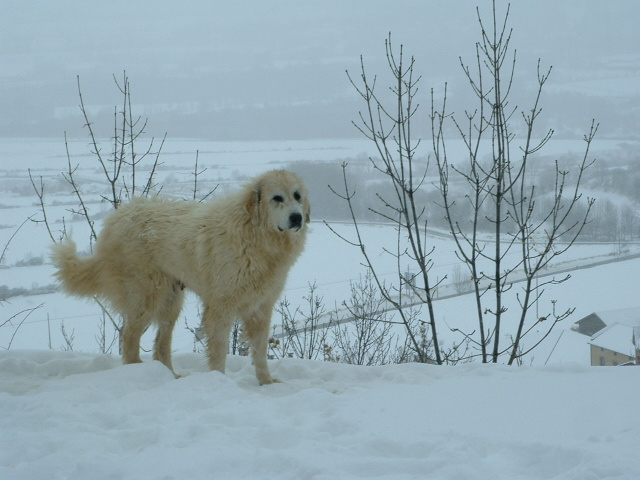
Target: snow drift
85,416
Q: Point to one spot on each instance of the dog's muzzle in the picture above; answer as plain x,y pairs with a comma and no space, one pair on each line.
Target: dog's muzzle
295,222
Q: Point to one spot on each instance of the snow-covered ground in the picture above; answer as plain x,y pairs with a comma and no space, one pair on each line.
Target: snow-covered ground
82,415
76,416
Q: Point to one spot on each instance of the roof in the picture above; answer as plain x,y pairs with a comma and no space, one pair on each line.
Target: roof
625,316
592,317
617,338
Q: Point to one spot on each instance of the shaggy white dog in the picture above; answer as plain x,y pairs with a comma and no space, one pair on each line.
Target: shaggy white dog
235,253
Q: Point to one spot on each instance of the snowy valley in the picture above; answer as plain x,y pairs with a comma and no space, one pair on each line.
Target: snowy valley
81,414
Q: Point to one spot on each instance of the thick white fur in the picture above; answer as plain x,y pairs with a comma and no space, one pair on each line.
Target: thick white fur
235,253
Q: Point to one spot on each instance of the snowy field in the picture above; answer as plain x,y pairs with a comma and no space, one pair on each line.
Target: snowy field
82,415
327,262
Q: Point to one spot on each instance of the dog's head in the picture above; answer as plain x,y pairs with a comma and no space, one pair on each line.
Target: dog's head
278,200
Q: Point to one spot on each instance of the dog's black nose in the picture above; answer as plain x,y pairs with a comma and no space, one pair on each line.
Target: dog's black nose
295,220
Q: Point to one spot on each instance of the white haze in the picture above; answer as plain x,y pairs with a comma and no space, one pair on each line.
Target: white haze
276,70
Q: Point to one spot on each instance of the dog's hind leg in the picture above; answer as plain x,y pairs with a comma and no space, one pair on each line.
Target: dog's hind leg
134,326
166,319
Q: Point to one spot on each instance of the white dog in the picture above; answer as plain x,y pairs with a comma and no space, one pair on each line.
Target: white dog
235,253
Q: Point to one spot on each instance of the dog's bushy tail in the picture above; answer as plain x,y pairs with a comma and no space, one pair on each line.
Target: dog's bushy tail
79,276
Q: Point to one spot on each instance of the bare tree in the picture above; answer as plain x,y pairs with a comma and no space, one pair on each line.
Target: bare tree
129,171
388,124
503,197
196,175
121,167
460,279
16,320
105,341
304,333
362,330
238,344
199,344
69,338
500,195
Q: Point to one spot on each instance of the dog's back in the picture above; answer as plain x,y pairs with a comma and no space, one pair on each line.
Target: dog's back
123,254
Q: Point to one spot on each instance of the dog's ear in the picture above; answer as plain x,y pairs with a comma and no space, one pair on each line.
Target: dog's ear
252,203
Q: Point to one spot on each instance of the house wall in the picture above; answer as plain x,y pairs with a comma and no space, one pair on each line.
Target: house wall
607,358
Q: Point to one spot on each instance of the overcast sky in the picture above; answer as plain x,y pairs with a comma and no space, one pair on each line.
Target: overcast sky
276,69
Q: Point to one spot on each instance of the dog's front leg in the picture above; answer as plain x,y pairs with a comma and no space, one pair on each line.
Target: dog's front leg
257,331
217,326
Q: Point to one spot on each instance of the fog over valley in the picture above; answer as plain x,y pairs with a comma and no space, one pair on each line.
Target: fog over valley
276,70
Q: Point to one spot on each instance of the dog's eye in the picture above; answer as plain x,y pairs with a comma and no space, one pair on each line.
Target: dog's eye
297,196
278,199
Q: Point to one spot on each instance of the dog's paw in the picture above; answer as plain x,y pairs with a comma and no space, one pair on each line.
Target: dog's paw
269,381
